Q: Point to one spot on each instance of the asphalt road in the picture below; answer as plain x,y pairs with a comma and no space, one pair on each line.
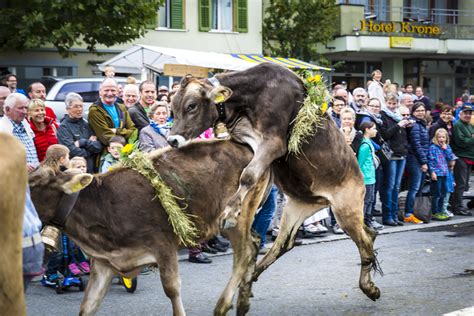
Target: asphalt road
428,270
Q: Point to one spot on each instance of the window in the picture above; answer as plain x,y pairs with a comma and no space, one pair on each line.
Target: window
223,15
171,15
88,90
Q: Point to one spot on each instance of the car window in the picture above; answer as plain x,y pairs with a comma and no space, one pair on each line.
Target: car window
88,91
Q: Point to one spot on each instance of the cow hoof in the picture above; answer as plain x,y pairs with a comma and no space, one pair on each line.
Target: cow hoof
373,293
228,223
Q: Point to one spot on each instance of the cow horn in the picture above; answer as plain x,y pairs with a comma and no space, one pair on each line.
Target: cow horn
186,80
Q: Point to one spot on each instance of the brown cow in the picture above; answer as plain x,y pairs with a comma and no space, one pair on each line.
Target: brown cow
258,106
118,222
13,179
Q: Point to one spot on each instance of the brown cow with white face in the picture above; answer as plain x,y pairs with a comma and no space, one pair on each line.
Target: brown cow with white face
258,106
120,224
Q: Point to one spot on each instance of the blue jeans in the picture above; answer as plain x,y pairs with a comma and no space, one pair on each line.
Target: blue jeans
369,200
438,192
415,180
263,218
393,172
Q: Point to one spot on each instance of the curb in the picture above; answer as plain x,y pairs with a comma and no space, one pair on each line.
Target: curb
183,254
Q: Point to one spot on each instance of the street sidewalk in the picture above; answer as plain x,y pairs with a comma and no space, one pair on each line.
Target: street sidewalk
329,236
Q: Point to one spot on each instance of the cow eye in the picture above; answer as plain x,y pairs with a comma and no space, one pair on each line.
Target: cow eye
191,107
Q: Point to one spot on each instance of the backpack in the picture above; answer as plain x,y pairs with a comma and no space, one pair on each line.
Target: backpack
355,145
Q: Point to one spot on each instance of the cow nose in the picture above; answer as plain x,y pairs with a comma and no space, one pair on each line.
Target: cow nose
173,141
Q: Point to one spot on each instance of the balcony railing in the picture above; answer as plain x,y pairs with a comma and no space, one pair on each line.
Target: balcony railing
383,12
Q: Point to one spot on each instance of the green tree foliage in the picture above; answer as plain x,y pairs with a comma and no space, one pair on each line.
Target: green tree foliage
66,23
291,28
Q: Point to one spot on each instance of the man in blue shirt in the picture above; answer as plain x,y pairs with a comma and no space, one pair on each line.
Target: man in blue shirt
107,118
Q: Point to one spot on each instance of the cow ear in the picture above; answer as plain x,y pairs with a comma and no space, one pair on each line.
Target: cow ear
77,183
220,94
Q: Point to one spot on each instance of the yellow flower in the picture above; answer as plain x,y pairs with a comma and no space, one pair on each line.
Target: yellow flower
315,78
127,149
324,107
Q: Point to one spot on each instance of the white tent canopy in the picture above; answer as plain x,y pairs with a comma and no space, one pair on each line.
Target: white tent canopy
135,59
138,58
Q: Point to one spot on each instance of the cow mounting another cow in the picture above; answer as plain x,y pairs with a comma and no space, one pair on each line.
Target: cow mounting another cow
258,106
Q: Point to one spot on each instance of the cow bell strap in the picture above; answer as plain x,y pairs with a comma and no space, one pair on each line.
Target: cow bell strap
64,208
220,129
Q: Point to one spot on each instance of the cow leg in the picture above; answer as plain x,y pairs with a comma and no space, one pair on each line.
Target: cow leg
349,215
171,280
294,214
99,283
265,154
245,245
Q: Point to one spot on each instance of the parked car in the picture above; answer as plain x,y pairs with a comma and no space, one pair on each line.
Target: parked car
88,88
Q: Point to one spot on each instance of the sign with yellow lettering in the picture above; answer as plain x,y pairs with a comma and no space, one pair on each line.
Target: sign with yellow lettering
401,42
183,70
399,27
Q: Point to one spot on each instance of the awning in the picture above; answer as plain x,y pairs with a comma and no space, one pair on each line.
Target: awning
140,57
285,62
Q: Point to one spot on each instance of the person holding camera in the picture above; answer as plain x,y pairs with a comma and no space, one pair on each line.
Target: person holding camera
394,132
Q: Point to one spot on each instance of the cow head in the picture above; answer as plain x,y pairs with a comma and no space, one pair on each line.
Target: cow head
47,188
194,109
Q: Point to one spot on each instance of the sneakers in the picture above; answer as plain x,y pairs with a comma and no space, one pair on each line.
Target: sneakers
375,225
199,258
462,212
50,280
412,219
84,266
74,268
263,250
440,216
336,229
449,213
145,271
315,229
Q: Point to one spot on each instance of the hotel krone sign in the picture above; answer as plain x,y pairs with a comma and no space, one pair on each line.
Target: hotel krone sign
399,27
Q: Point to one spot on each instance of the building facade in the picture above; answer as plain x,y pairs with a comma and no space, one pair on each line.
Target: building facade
222,26
424,42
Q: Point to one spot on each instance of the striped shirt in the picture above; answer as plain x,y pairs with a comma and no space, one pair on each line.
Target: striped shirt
19,132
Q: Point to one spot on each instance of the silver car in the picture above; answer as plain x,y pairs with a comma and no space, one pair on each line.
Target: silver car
88,88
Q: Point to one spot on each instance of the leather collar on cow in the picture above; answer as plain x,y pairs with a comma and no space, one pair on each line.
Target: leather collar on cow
64,208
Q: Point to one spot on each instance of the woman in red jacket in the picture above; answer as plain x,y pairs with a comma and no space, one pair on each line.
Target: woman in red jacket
43,126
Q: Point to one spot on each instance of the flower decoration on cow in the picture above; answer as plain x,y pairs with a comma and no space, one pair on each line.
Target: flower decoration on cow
312,111
131,157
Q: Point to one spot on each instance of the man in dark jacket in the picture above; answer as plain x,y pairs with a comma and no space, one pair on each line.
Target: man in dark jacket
138,112
463,147
75,133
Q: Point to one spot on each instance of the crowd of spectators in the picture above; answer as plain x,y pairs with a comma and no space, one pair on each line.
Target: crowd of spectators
426,143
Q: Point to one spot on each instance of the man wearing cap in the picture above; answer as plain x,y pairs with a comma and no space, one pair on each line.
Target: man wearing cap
463,147
163,90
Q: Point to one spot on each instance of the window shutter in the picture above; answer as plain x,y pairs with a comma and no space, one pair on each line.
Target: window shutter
240,16
177,14
204,15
